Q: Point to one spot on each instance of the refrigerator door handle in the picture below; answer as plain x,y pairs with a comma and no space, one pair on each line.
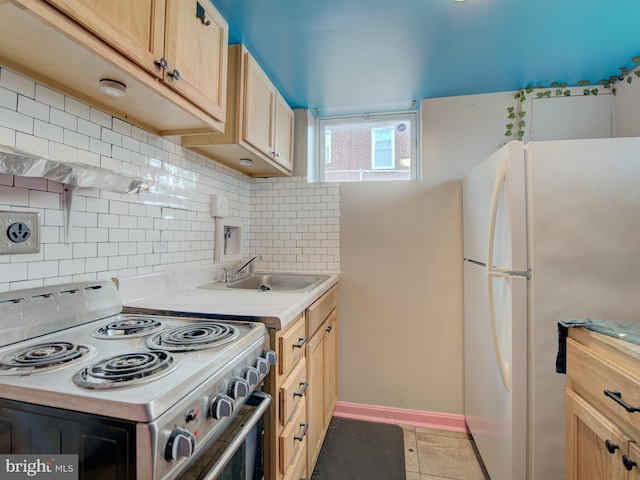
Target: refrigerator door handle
496,272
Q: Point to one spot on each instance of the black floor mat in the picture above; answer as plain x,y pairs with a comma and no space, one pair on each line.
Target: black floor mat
357,450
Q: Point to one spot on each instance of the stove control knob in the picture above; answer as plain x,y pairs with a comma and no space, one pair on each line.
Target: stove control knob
270,356
239,388
252,376
181,444
222,406
262,365
192,415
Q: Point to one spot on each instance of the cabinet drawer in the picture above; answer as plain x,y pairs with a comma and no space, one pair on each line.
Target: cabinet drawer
298,470
293,438
319,310
291,346
595,373
292,391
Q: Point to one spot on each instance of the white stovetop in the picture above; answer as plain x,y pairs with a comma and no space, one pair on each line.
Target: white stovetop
176,291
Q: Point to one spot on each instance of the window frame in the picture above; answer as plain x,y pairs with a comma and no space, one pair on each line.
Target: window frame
316,170
374,150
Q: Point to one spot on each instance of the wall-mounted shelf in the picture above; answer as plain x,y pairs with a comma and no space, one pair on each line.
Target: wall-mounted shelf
72,175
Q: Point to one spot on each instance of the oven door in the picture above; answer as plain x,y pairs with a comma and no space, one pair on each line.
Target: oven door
238,453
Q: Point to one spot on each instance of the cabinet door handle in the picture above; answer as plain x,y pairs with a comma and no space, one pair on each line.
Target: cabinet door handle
175,74
611,447
628,463
329,328
304,386
301,342
304,431
617,397
201,15
162,63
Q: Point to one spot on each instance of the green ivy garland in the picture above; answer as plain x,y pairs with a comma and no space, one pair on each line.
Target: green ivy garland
516,115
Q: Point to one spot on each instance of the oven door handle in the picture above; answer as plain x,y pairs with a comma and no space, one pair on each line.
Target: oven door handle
244,432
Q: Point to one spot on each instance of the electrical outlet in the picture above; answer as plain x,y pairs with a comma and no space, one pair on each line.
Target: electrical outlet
19,232
219,205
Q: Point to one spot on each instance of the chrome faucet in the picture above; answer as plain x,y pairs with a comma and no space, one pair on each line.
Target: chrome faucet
239,270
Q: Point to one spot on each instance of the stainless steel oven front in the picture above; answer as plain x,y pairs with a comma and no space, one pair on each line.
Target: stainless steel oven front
135,397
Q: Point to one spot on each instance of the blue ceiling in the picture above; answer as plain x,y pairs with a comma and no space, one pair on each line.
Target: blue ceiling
362,56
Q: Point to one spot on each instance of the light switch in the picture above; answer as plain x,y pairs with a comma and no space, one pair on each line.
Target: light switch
219,205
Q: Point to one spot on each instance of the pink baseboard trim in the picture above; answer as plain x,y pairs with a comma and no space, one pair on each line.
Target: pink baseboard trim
401,416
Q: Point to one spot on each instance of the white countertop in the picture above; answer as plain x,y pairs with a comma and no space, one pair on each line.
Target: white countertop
176,292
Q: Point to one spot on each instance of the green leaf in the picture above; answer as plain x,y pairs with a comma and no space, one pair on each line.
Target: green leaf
509,126
554,84
511,115
563,85
583,82
623,70
547,93
521,123
594,91
567,93
539,94
510,109
520,134
629,79
558,92
613,91
635,59
529,89
637,73
522,114
517,95
586,91
508,133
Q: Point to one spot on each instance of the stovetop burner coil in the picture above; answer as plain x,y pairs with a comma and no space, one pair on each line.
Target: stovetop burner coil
195,336
129,326
129,369
43,356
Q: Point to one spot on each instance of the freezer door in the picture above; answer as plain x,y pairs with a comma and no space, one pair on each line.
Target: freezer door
494,210
496,415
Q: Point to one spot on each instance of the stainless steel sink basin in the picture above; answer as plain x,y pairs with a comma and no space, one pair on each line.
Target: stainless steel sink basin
279,282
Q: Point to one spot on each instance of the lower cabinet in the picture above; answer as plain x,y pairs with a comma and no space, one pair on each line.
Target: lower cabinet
602,408
321,370
304,390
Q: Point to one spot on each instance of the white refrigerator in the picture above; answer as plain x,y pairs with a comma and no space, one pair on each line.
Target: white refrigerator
551,231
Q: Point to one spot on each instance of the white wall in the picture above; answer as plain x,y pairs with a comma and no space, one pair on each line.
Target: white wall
289,222
401,281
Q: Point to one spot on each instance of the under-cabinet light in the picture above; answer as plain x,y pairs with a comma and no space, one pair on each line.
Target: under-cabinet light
247,162
113,88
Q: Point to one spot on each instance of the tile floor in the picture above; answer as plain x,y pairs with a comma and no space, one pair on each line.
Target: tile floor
440,455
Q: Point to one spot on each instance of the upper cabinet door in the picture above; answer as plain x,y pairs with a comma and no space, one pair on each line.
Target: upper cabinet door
135,29
284,125
196,49
260,101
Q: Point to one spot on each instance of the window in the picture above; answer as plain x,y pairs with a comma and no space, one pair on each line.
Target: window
383,147
367,148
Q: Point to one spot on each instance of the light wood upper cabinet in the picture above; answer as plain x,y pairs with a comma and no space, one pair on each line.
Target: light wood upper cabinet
284,126
135,29
259,123
196,45
182,42
259,105
70,45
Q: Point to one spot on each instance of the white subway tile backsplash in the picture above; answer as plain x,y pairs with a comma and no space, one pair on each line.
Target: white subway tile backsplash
294,225
49,97
63,119
17,83
16,120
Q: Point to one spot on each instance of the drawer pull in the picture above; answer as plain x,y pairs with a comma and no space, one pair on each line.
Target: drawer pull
628,463
302,341
304,431
304,386
329,328
617,397
611,447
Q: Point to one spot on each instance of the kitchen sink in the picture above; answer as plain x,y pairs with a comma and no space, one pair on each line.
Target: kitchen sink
277,282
